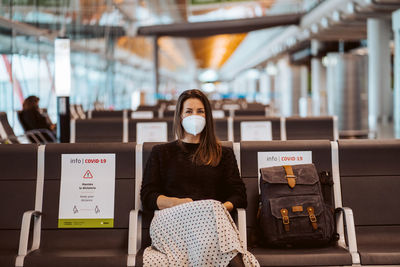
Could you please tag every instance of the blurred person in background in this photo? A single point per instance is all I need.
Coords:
(32, 118)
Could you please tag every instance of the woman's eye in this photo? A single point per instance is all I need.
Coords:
(188, 111)
(201, 111)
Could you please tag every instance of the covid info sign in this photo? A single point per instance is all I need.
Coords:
(280, 158)
(87, 191)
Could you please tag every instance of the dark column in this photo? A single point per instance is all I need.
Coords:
(64, 117)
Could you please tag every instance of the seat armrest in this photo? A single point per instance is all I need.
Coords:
(134, 238)
(241, 224)
(33, 136)
(350, 233)
(24, 235)
(39, 136)
(49, 133)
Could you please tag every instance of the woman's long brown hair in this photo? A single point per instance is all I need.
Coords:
(209, 151)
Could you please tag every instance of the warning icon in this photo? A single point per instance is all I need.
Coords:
(88, 175)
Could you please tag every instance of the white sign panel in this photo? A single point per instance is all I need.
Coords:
(62, 67)
(230, 106)
(256, 131)
(87, 191)
(142, 115)
(280, 158)
(218, 114)
(171, 107)
(151, 132)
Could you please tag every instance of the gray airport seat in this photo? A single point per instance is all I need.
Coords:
(148, 108)
(334, 255)
(111, 130)
(90, 246)
(96, 114)
(250, 112)
(370, 178)
(168, 113)
(221, 128)
(310, 128)
(97, 130)
(18, 165)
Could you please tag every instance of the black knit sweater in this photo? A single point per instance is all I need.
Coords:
(170, 171)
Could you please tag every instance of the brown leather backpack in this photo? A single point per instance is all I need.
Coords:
(293, 211)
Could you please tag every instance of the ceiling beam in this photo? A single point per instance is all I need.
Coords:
(201, 29)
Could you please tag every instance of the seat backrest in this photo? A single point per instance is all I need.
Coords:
(221, 128)
(250, 112)
(18, 165)
(321, 157)
(107, 114)
(275, 125)
(98, 130)
(169, 113)
(123, 204)
(371, 168)
(148, 108)
(310, 128)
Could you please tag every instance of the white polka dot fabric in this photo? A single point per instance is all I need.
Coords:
(199, 233)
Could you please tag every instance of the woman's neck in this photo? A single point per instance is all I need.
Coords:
(190, 138)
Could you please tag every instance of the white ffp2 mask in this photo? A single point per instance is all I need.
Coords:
(194, 124)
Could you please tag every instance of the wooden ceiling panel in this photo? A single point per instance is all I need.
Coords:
(141, 46)
(212, 52)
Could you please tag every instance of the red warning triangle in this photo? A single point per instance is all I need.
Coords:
(88, 175)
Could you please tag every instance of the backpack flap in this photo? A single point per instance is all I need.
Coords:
(297, 212)
(303, 174)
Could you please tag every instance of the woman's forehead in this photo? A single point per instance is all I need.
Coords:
(193, 103)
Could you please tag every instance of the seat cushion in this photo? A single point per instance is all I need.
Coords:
(77, 258)
(9, 240)
(302, 256)
(7, 257)
(379, 245)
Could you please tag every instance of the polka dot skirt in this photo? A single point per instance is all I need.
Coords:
(199, 233)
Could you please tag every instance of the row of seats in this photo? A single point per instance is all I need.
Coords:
(366, 179)
(227, 129)
(159, 112)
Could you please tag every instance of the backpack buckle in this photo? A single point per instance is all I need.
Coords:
(312, 217)
(285, 219)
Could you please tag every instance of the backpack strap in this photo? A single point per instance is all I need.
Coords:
(291, 178)
(285, 219)
(312, 217)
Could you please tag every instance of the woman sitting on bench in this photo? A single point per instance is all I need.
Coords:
(195, 183)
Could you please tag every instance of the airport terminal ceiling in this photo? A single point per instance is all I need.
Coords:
(109, 29)
(98, 26)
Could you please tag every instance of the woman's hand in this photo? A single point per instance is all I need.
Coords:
(229, 206)
(164, 202)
